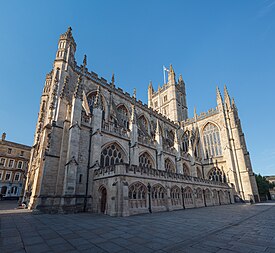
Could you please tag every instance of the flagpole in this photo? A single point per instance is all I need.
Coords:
(164, 74)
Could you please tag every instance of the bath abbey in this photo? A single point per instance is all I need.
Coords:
(99, 149)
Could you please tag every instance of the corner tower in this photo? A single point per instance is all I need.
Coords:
(170, 99)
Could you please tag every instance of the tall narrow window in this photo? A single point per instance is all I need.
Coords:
(212, 143)
(185, 142)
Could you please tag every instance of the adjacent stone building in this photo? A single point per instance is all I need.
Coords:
(98, 149)
(14, 158)
(271, 180)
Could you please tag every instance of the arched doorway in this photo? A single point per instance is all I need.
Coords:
(103, 199)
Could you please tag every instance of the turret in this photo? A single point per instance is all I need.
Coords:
(66, 48)
(219, 99)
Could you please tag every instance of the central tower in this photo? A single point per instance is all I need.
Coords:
(169, 100)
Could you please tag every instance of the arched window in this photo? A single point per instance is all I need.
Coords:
(175, 196)
(143, 125)
(170, 136)
(110, 155)
(186, 171)
(212, 143)
(158, 195)
(169, 165)
(185, 142)
(215, 174)
(199, 196)
(145, 161)
(123, 116)
(137, 195)
(188, 196)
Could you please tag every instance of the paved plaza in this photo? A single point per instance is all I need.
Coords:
(223, 229)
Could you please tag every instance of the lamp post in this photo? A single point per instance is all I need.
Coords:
(149, 195)
(182, 196)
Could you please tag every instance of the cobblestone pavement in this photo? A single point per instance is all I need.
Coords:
(223, 229)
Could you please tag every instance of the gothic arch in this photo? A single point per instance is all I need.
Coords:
(111, 154)
(175, 195)
(146, 160)
(143, 124)
(188, 196)
(169, 165)
(185, 141)
(211, 140)
(158, 193)
(90, 99)
(137, 195)
(124, 115)
(216, 174)
(102, 190)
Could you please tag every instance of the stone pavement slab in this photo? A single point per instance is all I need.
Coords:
(222, 229)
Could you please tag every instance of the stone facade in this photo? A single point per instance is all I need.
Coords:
(98, 149)
(14, 159)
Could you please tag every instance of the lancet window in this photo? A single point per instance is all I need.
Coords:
(143, 125)
(145, 161)
(188, 196)
(110, 155)
(212, 143)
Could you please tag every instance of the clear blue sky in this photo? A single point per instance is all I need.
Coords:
(210, 42)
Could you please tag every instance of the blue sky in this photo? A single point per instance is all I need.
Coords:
(209, 42)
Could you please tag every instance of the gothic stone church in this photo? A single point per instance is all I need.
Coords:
(98, 149)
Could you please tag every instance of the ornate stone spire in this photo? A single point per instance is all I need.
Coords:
(133, 115)
(181, 79)
(84, 63)
(113, 81)
(171, 75)
(218, 95)
(158, 128)
(98, 99)
(78, 93)
(227, 97)
(195, 113)
(135, 93)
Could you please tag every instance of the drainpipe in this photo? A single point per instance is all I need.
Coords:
(149, 194)
(182, 196)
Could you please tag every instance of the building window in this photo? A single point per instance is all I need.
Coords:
(20, 165)
(165, 110)
(145, 161)
(9, 150)
(156, 104)
(2, 161)
(123, 116)
(215, 174)
(111, 155)
(11, 162)
(17, 176)
(22, 153)
(137, 195)
(1, 174)
(165, 98)
(169, 166)
(186, 171)
(212, 143)
(8, 176)
(14, 190)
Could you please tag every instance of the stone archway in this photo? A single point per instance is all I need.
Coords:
(103, 199)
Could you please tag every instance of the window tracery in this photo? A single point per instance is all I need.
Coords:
(215, 174)
(188, 196)
(175, 196)
(212, 143)
(123, 116)
(137, 195)
(169, 165)
(143, 125)
(145, 161)
(185, 142)
(110, 155)
(158, 195)
(91, 99)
